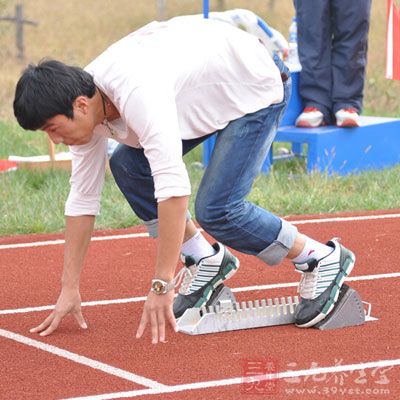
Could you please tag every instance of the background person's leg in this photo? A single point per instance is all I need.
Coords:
(314, 47)
(349, 52)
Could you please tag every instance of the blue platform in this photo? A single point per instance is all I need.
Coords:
(373, 145)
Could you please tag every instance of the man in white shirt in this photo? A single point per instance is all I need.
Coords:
(161, 91)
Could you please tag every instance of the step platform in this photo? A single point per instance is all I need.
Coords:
(223, 313)
(372, 146)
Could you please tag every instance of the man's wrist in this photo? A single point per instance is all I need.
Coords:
(164, 272)
(70, 283)
(160, 286)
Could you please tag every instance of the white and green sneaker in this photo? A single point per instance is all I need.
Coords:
(320, 284)
(201, 279)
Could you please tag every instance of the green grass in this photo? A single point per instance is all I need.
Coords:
(289, 190)
(33, 202)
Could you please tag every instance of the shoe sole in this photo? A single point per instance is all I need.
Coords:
(328, 307)
(227, 272)
(348, 123)
(306, 124)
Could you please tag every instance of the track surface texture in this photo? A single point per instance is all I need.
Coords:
(107, 362)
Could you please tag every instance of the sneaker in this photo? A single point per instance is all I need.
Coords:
(311, 117)
(201, 279)
(320, 284)
(347, 118)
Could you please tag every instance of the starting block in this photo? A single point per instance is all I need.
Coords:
(223, 313)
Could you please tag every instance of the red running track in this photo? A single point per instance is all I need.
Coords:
(107, 362)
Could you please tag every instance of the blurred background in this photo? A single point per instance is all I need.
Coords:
(76, 31)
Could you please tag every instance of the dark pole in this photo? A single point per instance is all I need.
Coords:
(19, 21)
(271, 4)
(221, 5)
(161, 9)
(19, 25)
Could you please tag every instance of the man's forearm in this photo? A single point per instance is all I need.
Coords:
(171, 228)
(77, 237)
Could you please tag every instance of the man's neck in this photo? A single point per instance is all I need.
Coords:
(107, 108)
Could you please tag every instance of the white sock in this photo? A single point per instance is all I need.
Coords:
(312, 249)
(197, 247)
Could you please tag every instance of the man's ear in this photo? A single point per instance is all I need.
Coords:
(82, 104)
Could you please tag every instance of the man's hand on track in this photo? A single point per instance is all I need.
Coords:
(69, 302)
(157, 311)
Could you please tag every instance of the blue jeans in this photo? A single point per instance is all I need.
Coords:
(221, 208)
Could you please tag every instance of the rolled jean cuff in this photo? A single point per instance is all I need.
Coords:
(152, 225)
(279, 248)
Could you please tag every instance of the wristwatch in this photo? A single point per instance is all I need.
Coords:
(159, 286)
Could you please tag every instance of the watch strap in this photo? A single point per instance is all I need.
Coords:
(167, 286)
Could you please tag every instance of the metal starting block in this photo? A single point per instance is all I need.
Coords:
(223, 313)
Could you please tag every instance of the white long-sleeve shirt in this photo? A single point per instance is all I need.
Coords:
(174, 80)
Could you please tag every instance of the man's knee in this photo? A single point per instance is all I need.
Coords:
(129, 161)
(210, 217)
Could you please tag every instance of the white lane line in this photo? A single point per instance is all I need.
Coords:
(137, 235)
(62, 241)
(295, 284)
(84, 304)
(236, 290)
(241, 380)
(108, 369)
(345, 219)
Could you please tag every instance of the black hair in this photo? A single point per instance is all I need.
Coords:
(49, 89)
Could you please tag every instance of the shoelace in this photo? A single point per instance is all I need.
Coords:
(307, 284)
(186, 275)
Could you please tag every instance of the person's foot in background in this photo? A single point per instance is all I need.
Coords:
(311, 117)
(347, 118)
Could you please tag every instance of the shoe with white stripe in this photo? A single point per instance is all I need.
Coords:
(320, 284)
(311, 117)
(347, 118)
(200, 280)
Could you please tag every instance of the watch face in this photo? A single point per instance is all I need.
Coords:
(158, 286)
